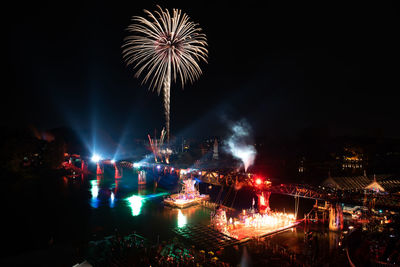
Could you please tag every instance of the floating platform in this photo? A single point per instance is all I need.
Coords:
(182, 201)
(208, 238)
(203, 236)
(251, 224)
(244, 234)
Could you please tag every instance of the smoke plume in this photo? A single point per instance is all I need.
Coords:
(240, 143)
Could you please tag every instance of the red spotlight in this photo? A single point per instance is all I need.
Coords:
(258, 181)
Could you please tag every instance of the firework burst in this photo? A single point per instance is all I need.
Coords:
(164, 47)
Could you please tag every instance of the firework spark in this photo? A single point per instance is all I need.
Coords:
(165, 47)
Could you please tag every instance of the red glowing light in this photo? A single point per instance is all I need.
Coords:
(258, 181)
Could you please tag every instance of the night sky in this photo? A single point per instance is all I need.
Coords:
(282, 67)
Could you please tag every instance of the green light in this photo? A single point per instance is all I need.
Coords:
(135, 203)
(182, 221)
(156, 195)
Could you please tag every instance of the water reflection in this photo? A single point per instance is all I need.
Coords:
(127, 205)
(112, 197)
(94, 190)
(116, 185)
(118, 172)
(135, 203)
(182, 221)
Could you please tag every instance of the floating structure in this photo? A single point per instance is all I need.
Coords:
(251, 224)
(188, 197)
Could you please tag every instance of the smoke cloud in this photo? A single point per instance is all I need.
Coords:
(240, 143)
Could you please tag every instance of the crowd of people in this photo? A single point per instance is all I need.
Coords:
(269, 252)
(375, 239)
(380, 247)
(133, 250)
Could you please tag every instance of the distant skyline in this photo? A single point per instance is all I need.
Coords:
(283, 67)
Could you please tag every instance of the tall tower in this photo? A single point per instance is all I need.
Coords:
(215, 154)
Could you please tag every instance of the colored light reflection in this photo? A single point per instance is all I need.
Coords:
(135, 203)
(182, 221)
(156, 195)
(112, 197)
(94, 190)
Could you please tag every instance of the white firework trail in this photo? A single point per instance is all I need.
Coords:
(165, 47)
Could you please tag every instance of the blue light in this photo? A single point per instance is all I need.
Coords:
(94, 190)
(113, 161)
(96, 158)
(112, 197)
(136, 165)
(94, 203)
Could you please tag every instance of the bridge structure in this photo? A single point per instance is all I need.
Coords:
(264, 188)
(261, 184)
(232, 178)
(333, 197)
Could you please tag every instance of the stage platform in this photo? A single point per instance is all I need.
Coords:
(181, 202)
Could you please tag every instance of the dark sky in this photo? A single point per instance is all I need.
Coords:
(283, 67)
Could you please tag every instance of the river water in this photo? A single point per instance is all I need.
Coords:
(74, 211)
